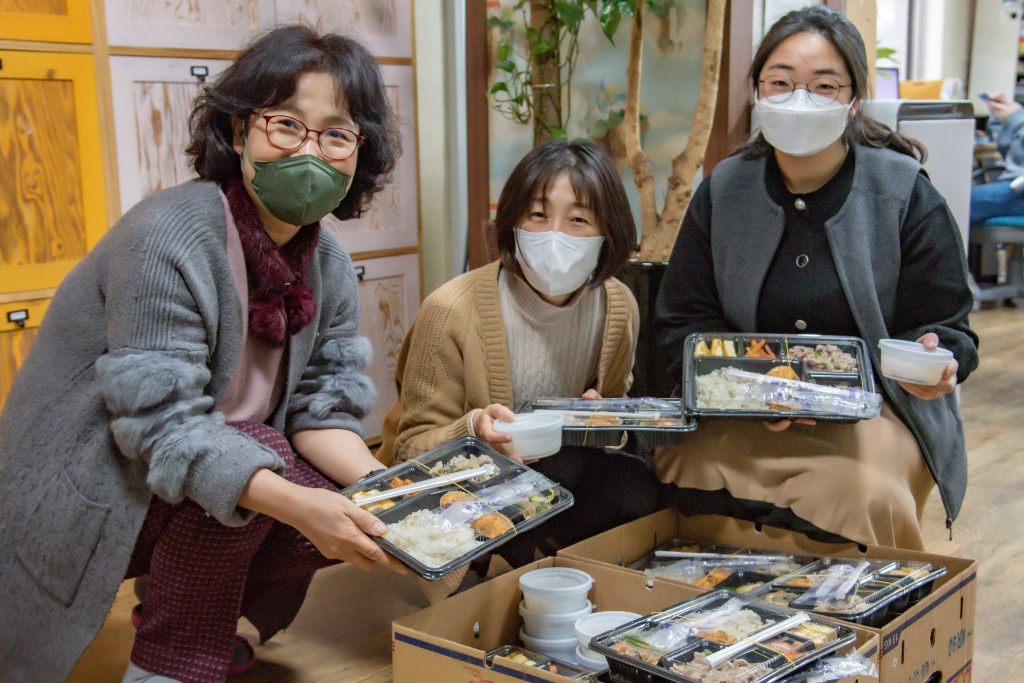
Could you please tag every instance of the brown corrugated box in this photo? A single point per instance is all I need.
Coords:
(448, 642)
(931, 642)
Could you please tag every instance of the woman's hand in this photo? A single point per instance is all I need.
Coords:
(483, 425)
(783, 425)
(333, 523)
(945, 385)
(339, 529)
(1000, 108)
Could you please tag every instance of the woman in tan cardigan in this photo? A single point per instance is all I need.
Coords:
(548, 319)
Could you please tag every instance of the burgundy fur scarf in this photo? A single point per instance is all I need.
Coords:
(280, 303)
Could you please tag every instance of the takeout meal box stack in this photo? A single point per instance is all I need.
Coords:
(554, 599)
(933, 633)
(439, 530)
(449, 642)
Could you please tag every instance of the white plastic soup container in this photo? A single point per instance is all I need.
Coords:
(560, 648)
(534, 435)
(911, 362)
(555, 590)
(594, 625)
(552, 624)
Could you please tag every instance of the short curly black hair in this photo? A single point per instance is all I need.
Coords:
(265, 74)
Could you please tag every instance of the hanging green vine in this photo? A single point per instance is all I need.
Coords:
(528, 87)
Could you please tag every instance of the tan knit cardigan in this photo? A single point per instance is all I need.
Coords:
(455, 359)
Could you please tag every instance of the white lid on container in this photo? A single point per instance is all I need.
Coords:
(600, 622)
(530, 422)
(556, 580)
(915, 350)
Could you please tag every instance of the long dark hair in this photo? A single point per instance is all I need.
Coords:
(265, 75)
(597, 184)
(846, 39)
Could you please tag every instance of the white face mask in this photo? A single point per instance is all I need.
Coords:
(555, 263)
(800, 126)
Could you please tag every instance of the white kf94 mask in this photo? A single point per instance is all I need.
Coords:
(801, 126)
(555, 263)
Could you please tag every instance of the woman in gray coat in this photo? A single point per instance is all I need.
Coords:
(193, 396)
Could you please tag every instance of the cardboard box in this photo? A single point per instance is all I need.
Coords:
(933, 642)
(448, 642)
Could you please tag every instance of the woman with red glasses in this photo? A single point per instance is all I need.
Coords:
(192, 400)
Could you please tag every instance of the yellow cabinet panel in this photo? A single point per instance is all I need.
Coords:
(57, 21)
(51, 178)
(15, 338)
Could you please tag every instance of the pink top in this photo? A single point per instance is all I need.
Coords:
(258, 383)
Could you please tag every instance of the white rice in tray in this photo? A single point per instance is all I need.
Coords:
(719, 391)
(417, 535)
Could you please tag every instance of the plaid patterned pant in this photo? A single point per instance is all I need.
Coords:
(203, 576)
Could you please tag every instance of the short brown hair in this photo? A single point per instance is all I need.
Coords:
(265, 74)
(597, 184)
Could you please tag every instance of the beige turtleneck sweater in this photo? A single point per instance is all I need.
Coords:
(455, 359)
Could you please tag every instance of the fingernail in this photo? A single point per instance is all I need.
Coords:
(379, 528)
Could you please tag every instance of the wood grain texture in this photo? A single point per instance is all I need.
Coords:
(366, 17)
(41, 205)
(342, 632)
(161, 113)
(14, 347)
(55, 8)
(207, 13)
(384, 321)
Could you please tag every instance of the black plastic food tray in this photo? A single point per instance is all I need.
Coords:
(602, 436)
(776, 666)
(541, 661)
(417, 470)
(885, 595)
(695, 366)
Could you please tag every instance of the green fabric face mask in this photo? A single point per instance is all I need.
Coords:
(299, 190)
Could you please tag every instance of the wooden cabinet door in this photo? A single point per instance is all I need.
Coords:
(197, 24)
(51, 21)
(153, 98)
(389, 296)
(52, 207)
(392, 220)
(16, 337)
(384, 26)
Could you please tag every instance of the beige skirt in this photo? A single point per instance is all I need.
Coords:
(866, 481)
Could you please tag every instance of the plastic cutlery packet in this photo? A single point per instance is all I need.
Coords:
(719, 636)
(605, 422)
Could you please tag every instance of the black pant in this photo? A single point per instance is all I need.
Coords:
(609, 489)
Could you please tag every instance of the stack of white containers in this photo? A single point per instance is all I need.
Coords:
(587, 628)
(554, 599)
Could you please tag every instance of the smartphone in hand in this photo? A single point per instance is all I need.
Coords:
(983, 96)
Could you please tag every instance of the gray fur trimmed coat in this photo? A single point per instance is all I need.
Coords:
(115, 403)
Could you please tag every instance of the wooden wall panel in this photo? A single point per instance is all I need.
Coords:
(189, 24)
(59, 21)
(389, 296)
(153, 97)
(54, 8)
(385, 26)
(392, 221)
(14, 347)
(52, 204)
(43, 213)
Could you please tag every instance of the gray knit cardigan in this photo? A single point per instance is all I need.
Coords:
(114, 403)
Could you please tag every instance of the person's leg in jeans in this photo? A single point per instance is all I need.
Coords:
(993, 200)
